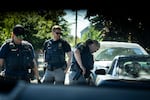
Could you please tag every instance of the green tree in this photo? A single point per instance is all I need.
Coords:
(92, 33)
(123, 25)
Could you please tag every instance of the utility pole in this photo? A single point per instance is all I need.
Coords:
(76, 20)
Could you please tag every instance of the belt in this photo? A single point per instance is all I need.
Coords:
(17, 78)
(54, 68)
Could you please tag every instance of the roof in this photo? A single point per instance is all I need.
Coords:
(118, 44)
(109, 44)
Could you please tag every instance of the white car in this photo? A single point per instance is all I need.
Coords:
(40, 61)
(109, 49)
(126, 71)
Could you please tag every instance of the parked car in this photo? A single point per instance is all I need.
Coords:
(109, 49)
(125, 70)
(40, 61)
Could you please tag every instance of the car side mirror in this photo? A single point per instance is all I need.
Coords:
(100, 72)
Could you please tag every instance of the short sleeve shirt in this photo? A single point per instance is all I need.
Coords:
(5, 49)
(86, 56)
(65, 44)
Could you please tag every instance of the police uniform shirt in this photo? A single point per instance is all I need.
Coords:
(5, 49)
(86, 56)
(17, 59)
(54, 52)
(66, 46)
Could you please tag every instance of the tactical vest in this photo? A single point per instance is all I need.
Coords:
(86, 57)
(55, 55)
(19, 58)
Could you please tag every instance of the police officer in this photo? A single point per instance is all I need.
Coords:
(17, 57)
(55, 50)
(82, 63)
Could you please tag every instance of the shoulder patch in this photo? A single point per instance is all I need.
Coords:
(49, 42)
(26, 45)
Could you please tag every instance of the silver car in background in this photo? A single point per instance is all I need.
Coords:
(109, 49)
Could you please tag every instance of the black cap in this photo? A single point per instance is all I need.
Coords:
(19, 30)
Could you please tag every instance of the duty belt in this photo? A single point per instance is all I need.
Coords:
(17, 78)
(54, 68)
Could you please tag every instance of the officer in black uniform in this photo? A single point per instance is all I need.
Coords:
(82, 62)
(55, 50)
(17, 57)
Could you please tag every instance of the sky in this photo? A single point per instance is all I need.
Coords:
(81, 22)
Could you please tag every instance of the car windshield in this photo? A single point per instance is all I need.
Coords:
(109, 53)
(137, 68)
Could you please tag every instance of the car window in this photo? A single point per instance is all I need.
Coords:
(109, 53)
(110, 70)
(137, 51)
(135, 69)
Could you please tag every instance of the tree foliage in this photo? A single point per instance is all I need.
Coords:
(122, 25)
(92, 33)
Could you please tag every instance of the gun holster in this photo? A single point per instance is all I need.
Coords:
(87, 74)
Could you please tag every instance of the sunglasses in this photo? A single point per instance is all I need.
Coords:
(58, 33)
(20, 36)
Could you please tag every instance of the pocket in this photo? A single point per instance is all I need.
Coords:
(27, 59)
(12, 59)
